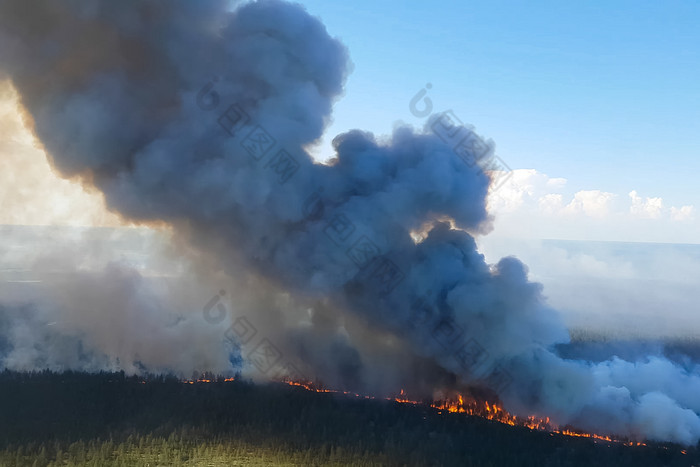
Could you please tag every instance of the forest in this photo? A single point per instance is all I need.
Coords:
(110, 419)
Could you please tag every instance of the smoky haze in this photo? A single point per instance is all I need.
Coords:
(198, 117)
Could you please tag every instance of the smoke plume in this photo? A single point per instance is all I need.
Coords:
(198, 116)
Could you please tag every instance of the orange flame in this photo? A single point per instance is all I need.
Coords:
(207, 380)
(470, 406)
(485, 409)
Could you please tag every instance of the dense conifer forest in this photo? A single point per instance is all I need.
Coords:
(109, 419)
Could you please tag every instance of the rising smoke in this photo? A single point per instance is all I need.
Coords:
(197, 115)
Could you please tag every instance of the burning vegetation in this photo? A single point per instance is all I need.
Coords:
(112, 419)
(476, 407)
(472, 405)
(459, 404)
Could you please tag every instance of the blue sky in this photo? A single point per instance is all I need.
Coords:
(603, 94)
(595, 105)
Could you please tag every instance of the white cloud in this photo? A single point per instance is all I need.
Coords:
(556, 183)
(593, 203)
(521, 188)
(528, 189)
(551, 203)
(651, 208)
(683, 213)
(531, 204)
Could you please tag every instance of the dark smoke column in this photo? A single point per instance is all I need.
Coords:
(197, 114)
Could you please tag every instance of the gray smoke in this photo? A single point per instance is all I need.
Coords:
(199, 115)
(90, 299)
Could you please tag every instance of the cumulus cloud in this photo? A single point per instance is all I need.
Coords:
(527, 189)
(649, 208)
(534, 204)
(683, 213)
(593, 203)
(551, 203)
(522, 188)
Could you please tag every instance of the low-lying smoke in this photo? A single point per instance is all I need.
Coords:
(197, 114)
